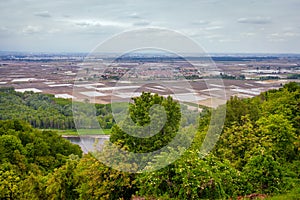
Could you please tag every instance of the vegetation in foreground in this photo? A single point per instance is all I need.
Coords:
(257, 153)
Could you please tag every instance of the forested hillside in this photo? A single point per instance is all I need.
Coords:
(28, 156)
(44, 110)
(257, 155)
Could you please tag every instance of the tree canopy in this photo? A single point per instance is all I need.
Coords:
(257, 155)
(45, 111)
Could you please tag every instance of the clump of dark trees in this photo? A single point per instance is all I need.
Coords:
(44, 111)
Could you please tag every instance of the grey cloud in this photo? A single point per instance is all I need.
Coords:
(201, 22)
(210, 28)
(83, 23)
(66, 16)
(134, 16)
(5, 31)
(68, 25)
(31, 29)
(255, 20)
(45, 14)
(98, 23)
(282, 36)
(141, 23)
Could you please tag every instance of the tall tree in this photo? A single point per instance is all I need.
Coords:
(139, 113)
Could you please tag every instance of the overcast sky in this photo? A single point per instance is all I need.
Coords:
(219, 26)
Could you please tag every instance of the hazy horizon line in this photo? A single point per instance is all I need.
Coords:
(208, 53)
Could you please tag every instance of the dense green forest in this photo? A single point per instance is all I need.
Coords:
(45, 111)
(257, 155)
(28, 156)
